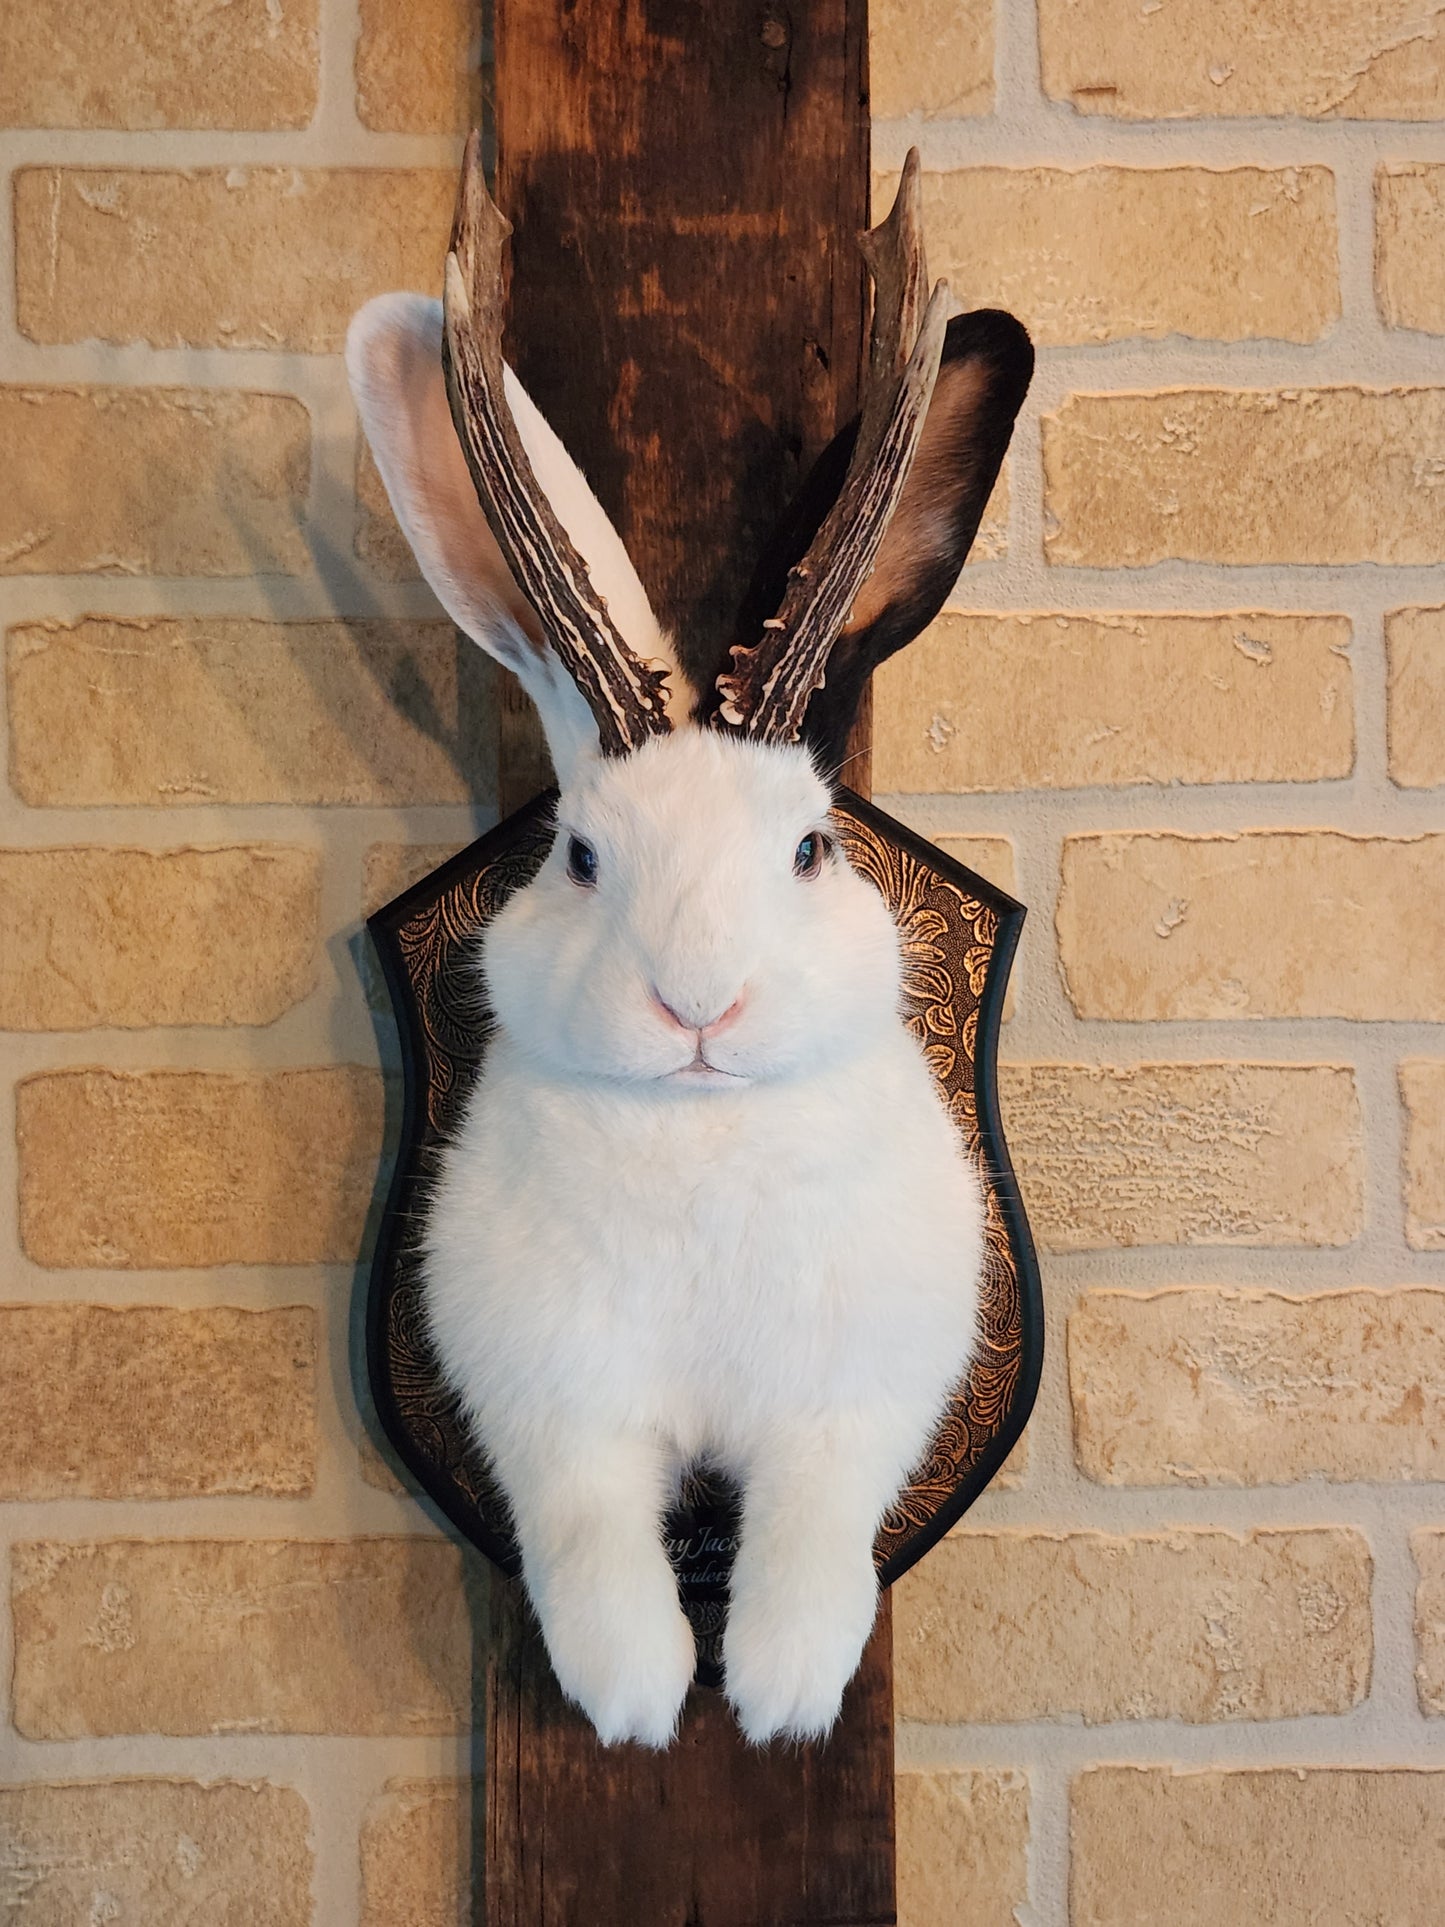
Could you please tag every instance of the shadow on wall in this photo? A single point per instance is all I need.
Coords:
(406, 708)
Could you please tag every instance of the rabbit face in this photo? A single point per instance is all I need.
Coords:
(685, 931)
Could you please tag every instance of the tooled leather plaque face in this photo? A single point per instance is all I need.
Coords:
(959, 935)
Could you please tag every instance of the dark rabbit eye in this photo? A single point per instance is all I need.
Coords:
(581, 862)
(808, 857)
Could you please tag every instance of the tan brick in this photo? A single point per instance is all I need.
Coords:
(158, 63)
(963, 1842)
(178, 481)
(208, 258)
(1014, 1471)
(1415, 646)
(167, 1168)
(1204, 1154)
(1262, 923)
(1187, 1625)
(1219, 1387)
(134, 937)
(991, 542)
(1067, 701)
(379, 541)
(1292, 1846)
(416, 1855)
(933, 57)
(991, 857)
(360, 1636)
(1355, 59)
(1422, 1092)
(418, 70)
(155, 711)
(390, 868)
(154, 1853)
(1309, 475)
(1410, 245)
(1093, 254)
(1429, 1550)
(375, 1468)
(140, 1401)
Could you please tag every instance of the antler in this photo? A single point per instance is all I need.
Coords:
(626, 695)
(766, 693)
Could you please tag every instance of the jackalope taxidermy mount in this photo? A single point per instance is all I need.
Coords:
(705, 1204)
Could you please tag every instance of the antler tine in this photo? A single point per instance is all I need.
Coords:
(898, 263)
(767, 691)
(626, 695)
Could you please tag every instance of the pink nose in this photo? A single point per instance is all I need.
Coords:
(710, 1028)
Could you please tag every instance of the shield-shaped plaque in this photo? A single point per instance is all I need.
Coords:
(959, 934)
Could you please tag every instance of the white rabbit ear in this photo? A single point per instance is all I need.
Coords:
(394, 361)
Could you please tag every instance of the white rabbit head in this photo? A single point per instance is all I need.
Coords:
(694, 922)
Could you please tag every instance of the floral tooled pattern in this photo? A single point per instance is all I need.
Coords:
(949, 940)
(436, 943)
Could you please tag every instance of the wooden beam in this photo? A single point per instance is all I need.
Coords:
(686, 183)
(713, 1833)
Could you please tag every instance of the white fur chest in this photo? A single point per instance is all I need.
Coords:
(703, 1263)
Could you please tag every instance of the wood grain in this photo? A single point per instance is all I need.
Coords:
(713, 1833)
(686, 184)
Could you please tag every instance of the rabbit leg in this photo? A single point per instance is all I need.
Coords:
(804, 1592)
(589, 1514)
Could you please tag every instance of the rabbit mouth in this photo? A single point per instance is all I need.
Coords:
(700, 1071)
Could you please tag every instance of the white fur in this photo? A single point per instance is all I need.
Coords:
(632, 1264)
(393, 359)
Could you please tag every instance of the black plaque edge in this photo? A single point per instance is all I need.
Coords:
(408, 1180)
(1011, 915)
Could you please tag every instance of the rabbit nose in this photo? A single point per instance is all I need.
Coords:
(721, 1022)
(708, 1028)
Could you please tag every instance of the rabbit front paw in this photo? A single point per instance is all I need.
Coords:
(787, 1656)
(627, 1662)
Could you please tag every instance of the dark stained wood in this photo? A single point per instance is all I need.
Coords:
(685, 182)
(713, 1833)
(857, 766)
(523, 765)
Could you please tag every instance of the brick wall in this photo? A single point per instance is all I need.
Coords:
(1189, 1668)
(1185, 1665)
(233, 716)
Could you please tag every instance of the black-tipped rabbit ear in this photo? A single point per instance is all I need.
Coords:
(987, 363)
